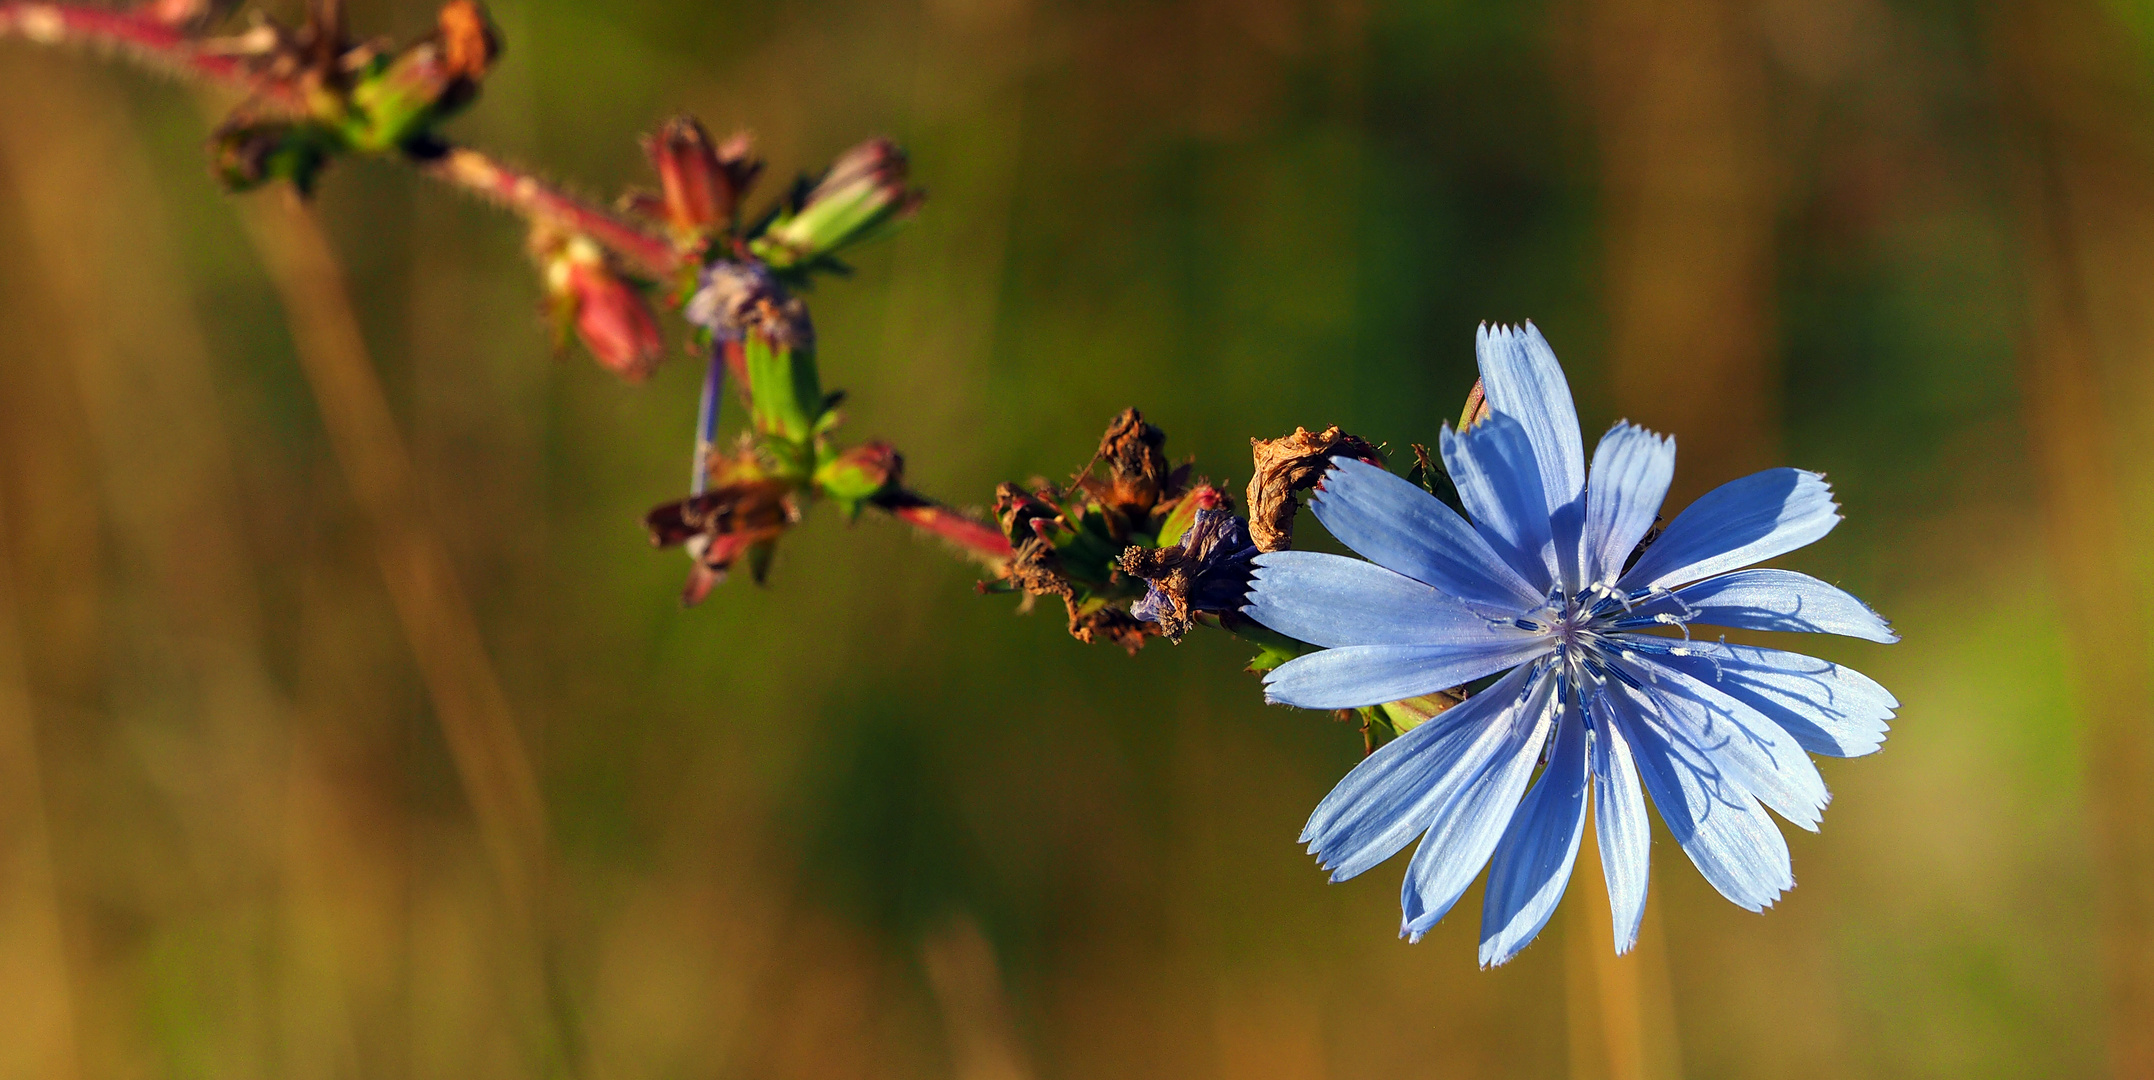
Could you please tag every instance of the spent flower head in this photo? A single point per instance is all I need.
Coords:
(1604, 676)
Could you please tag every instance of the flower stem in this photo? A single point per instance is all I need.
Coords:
(147, 40)
(525, 193)
(976, 539)
(699, 475)
(227, 62)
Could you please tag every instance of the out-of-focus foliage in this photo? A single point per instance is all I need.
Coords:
(867, 823)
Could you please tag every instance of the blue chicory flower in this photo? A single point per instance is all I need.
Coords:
(1605, 681)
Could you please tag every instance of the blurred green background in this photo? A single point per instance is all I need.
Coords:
(864, 823)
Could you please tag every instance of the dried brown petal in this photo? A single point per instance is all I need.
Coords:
(469, 42)
(719, 526)
(1287, 465)
(1037, 570)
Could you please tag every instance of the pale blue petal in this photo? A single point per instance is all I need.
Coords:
(1393, 523)
(1829, 709)
(1728, 836)
(1533, 860)
(1388, 799)
(1632, 468)
(1332, 600)
(1485, 787)
(1493, 466)
(1522, 379)
(1765, 757)
(1619, 819)
(1738, 523)
(1358, 675)
(1763, 599)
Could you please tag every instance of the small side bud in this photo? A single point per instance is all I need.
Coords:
(702, 187)
(608, 315)
(396, 103)
(1476, 409)
(853, 476)
(246, 153)
(864, 191)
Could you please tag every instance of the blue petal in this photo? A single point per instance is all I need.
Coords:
(1533, 861)
(1632, 468)
(1625, 833)
(1761, 755)
(1736, 524)
(1727, 835)
(1829, 709)
(1389, 798)
(1493, 466)
(1396, 525)
(1522, 379)
(1331, 600)
(1358, 675)
(1763, 600)
(1485, 786)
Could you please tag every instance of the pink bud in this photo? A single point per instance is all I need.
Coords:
(703, 185)
(615, 322)
(609, 315)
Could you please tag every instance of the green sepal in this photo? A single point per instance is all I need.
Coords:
(784, 392)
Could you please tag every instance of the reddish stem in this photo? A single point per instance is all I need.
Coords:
(977, 539)
(172, 48)
(527, 194)
(147, 39)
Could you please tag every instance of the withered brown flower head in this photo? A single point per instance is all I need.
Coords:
(1288, 465)
(740, 298)
(719, 526)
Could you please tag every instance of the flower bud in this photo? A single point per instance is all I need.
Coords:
(853, 476)
(398, 101)
(609, 315)
(246, 153)
(702, 184)
(863, 191)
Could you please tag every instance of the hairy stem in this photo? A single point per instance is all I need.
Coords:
(975, 539)
(524, 193)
